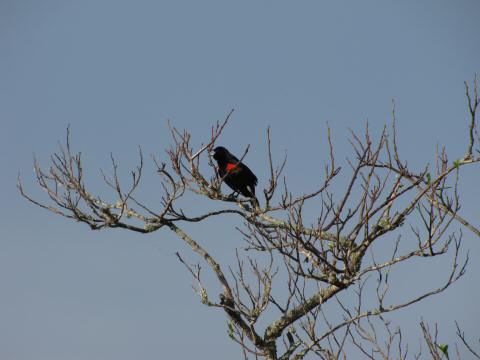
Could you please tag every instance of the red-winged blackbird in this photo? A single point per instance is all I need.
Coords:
(235, 174)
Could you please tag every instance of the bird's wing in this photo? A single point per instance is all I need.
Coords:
(248, 173)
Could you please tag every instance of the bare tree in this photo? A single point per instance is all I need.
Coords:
(298, 287)
(440, 351)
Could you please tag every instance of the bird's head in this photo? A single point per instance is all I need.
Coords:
(219, 153)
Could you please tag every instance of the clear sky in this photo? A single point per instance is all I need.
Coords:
(117, 70)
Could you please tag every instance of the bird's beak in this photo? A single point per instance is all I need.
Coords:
(211, 153)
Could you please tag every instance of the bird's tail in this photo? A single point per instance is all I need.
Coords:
(249, 192)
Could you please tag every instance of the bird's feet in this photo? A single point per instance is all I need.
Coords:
(233, 196)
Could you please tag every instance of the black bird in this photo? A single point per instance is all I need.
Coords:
(235, 174)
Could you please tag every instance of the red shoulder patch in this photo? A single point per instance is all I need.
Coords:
(231, 166)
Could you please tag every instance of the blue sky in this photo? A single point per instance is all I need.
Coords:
(117, 70)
